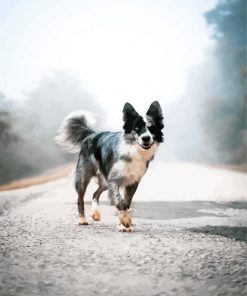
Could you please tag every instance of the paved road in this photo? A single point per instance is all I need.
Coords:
(45, 252)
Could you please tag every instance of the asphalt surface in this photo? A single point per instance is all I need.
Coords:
(45, 252)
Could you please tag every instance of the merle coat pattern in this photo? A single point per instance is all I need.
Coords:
(116, 159)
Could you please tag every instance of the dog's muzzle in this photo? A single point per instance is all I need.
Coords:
(146, 142)
(147, 146)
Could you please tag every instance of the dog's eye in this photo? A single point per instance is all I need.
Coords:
(136, 129)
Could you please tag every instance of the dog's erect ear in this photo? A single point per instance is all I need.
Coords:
(129, 114)
(154, 110)
(154, 115)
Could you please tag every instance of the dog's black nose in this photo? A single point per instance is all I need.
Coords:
(146, 139)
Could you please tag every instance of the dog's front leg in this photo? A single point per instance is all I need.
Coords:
(114, 195)
(121, 205)
(129, 193)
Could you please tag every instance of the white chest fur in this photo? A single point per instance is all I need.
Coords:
(133, 166)
(134, 170)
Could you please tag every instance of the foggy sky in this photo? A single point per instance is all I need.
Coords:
(96, 55)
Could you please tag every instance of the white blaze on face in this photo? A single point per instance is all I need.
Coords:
(145, 134)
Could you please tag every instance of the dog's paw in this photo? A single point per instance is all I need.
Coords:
(122, 228)
(83, 221)
(95, 215)
(125, 218)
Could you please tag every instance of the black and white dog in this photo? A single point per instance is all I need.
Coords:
(117, 159)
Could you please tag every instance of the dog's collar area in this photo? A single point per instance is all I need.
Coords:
(126, 157)
(129, 157)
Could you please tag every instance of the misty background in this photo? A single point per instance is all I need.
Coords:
(195, 66)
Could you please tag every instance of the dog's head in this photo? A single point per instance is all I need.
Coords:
(144, 131)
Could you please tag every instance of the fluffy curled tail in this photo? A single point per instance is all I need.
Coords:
(75, 128)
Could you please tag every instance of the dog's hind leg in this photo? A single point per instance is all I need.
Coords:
(102, 187)
(82, 181)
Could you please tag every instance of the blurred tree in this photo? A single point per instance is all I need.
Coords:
(6, 132)
(226, 112)
(36, 121)
(208, 123)
(40, 115)
(8, 141)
